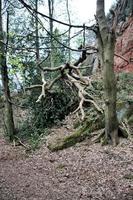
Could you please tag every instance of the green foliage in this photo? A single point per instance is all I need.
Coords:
(53, 108)
(59, 50)
(16, 64)
(32, 134)
(50, 111)
(125, 86)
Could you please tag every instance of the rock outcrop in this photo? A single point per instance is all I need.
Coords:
(124, 47)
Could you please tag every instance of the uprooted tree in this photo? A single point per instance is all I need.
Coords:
(72, 75)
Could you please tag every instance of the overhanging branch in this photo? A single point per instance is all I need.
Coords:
(55, 20)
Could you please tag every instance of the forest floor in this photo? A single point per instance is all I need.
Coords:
(82, 172)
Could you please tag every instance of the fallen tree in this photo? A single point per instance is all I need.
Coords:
(71, 75)
(90, 92)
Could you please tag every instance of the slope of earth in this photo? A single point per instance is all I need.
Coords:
(82, 172)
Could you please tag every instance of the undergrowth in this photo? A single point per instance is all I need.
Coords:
(43, 115)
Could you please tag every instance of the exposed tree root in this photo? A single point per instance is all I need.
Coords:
(18, 141)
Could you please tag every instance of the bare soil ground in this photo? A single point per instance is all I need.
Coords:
(82, 172)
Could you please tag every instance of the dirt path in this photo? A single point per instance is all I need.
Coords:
(79, 173)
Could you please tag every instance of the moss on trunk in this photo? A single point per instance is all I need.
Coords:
(85, 131)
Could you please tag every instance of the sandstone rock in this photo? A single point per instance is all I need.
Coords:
(124, 47)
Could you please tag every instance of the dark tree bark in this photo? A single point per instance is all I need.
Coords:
(37, 34)
(69, 33)
(9, 122)
(106, 41)
(51, 10)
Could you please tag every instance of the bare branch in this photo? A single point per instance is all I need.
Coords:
(45, 16)
(52, 69)
(43, 88)
(33, 87)
(94, 103)
(82, 93)
(123, 58)
(53, 82)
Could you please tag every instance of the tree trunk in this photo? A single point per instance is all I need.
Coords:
(106, 41)
(5, 81)
(69, 33)
(37, 34)
(51, 10)
(111, 124)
